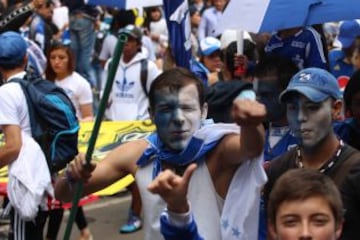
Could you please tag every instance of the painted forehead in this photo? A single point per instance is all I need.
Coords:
(186, 94)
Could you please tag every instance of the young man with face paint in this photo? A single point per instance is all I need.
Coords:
(273, 74)
(305, 204)
(178, 109)
(313, 100)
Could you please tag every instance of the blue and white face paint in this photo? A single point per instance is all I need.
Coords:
(310, 122)
(177, 115)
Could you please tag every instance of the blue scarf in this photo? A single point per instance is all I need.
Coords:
(203, 141)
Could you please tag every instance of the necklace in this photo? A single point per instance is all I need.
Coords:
(326, 166)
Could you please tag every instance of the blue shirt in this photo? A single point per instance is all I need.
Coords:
(208, 22)
(200, 71)
(304, 48)
(340, 69)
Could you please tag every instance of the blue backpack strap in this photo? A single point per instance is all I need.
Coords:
(144, 75)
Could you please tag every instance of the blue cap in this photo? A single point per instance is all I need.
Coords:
(348, 32)
(12, 48)
(314, 83)
(209, 45)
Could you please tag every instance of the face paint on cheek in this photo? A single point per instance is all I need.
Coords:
(177, 116)
(310, 122)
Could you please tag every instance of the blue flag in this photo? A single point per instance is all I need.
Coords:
(178, 23)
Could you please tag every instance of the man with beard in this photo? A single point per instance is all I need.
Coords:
(313, 101)
(221, 151)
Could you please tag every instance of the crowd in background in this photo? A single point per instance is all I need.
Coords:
(74, 46)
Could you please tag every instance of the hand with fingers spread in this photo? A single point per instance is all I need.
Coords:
(173, 188)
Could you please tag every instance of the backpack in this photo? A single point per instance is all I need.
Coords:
(144, 75)
(54, 124)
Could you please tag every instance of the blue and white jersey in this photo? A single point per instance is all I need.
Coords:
(304, 48)
(37, 31)
(36, 58)
(339, 68)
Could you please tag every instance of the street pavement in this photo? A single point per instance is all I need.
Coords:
(104, 216)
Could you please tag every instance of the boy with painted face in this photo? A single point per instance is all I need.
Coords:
(305, 204)
(177, 108)
(273, 74)
(313, 100)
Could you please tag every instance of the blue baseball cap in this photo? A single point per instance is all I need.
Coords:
(209, 45)
(348, 32)
(12, 48)
(314, 83)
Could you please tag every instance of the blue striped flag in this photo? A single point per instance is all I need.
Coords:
(125, 4)
(271, 15)
(178, 23)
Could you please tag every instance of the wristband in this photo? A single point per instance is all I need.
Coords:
(179, 219)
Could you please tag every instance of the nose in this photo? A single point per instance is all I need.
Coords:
(305, 232)
(178, 116)
(301, 115)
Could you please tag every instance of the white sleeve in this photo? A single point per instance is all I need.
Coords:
(9, 101)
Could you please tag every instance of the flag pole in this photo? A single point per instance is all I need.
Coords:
(99, 117)
(240, 42)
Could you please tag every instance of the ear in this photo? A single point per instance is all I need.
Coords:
(337, 109)
(204, 111)
(151, 113)
(272, 231)
(339, 230)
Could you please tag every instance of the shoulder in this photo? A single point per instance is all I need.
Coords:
(310, 33)
(76, 76)
(10, 89)
(336, 54)
(282, 163)
(209, 11)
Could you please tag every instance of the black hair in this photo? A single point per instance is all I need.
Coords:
(250, 52)
(352, 87)
(174, 79)
(122, 18)
(283, 67)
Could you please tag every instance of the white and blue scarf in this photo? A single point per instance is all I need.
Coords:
(203, 141)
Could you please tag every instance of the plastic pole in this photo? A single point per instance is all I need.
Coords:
(99, 117)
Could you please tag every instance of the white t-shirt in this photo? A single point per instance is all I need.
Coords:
(78, 89)
(159, 28)
(13, 107)
(127, 98)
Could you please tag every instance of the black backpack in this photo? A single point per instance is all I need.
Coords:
(53, 120)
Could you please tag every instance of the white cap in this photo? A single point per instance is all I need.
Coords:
(230, 35)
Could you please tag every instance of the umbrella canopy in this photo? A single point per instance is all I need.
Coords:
(126, 4)
(270, 15)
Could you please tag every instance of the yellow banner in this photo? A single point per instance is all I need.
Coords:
(111, 135)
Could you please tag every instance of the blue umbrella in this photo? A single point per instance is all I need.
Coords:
(271, 15)
(125, 4)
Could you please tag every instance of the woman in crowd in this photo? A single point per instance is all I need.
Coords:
(61, 70)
